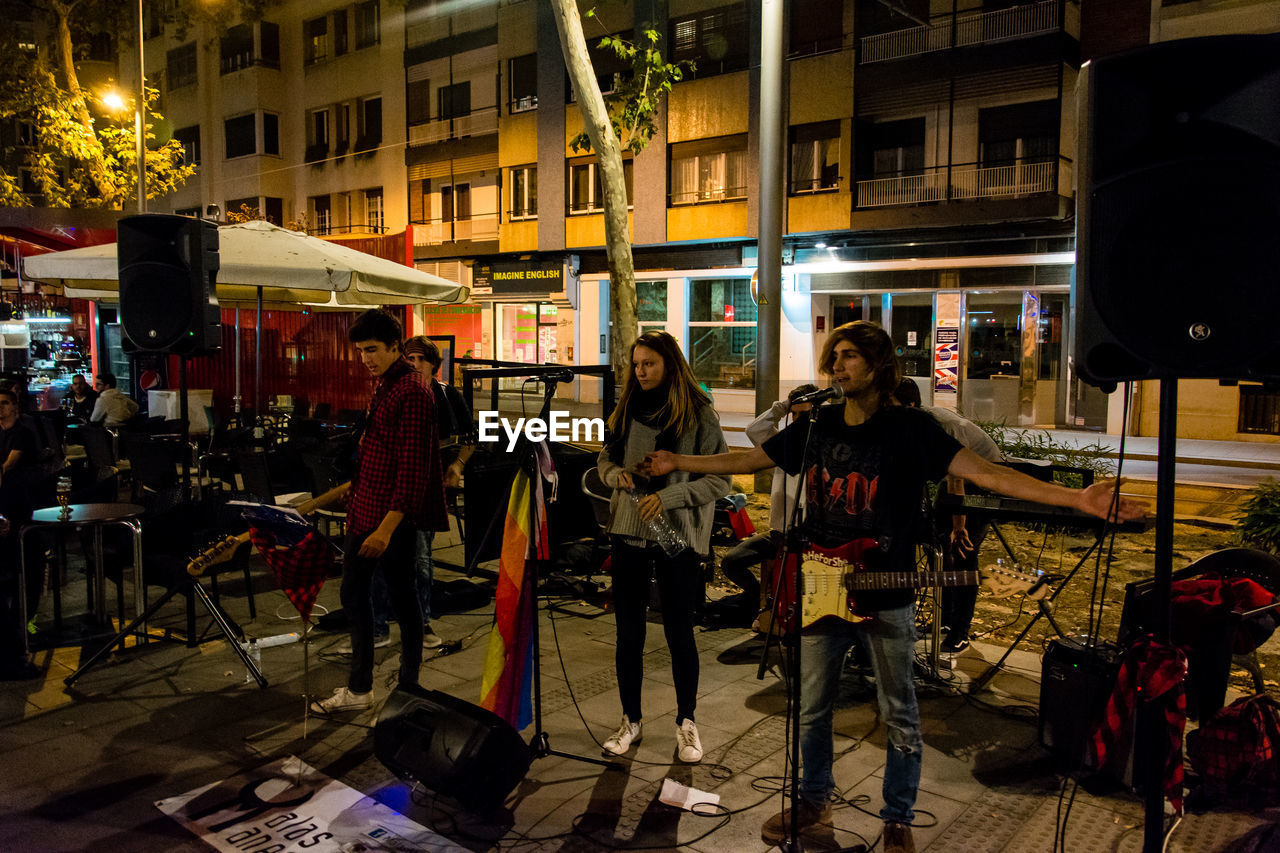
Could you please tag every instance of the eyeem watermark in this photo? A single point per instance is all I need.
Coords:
(560, 427)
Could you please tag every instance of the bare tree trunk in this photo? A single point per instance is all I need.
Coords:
(66, 63)
(599, 129)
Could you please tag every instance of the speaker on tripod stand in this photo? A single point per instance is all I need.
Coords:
(168, 266)
(1178, 266)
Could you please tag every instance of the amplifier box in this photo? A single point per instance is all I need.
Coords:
(1076, 680)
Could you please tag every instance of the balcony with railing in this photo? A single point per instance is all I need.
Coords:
(475, 123)
(962, 30)
(960, 182)
(437, 232)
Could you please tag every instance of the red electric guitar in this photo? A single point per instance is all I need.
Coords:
(831, 578)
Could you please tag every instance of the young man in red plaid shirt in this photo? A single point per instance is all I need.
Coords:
(398, 489)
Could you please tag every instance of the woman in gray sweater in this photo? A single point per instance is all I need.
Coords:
(661, 408)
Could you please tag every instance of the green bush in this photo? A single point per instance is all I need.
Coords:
(1039, 444)
(1259, 519)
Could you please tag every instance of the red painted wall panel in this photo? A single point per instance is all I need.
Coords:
(305, 354)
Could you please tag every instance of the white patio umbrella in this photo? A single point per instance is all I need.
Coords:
(260, 262)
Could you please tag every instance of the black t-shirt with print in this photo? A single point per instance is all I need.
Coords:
(867, 481)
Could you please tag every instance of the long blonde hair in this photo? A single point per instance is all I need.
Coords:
(683, 398)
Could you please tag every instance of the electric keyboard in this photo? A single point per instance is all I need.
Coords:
(999, 508)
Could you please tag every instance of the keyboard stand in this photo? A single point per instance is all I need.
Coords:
(1045, 610)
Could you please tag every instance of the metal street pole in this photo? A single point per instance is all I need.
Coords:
(140, 119)
(769, 253)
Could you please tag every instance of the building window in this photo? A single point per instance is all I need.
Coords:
(181, 66)
(524, 192)
(190, 139)
(722, 332)
(815, 157)
(342, 131)
(237, 48)
(273, 209)
(318, 136)
(321, 215)
(245, 207)
(269, 44)
(817, 26)
(651, 305)
(455, 203)
(241, 135)
(373, 209)
(191, 212)
(522, 76)
(897, 148)
(270, 133)
(367, 24)
(1018, 134)
(716, 40)
(315, 40)
(418, 101)
(454, 100)
(238, 51)
(369, 117)
(340, 38)
(1259, 410)
(709, 170)
(586, 192)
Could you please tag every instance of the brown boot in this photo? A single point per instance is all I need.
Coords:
(897, 838)
(814, 825)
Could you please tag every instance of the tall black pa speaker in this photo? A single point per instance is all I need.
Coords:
(1178, 267)
(168, 267)
(450, 746)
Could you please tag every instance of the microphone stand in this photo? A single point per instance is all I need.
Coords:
(793, 545)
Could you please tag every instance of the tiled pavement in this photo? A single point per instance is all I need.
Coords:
(82, 767)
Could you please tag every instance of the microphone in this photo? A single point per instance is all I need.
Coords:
(565, 375)
(833, 393)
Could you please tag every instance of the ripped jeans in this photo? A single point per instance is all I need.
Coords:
(890, 639)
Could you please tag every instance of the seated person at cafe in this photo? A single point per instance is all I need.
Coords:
(18, 470)
(113, 407)
(82, 398)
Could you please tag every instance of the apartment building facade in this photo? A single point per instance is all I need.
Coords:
(930, 179)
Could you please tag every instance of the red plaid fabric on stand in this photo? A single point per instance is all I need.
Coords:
(1151, 672)
(300, 569)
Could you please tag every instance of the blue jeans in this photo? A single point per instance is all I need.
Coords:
(890, 638)
(422, 574)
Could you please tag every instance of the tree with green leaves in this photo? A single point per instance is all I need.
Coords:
(77, 153)
(625, 119)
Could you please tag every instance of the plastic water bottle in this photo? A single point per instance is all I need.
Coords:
(255, 654)
(660, 529)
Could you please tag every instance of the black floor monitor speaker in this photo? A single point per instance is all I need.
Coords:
(168, 267)
(1076, 680)
(450, 746)
(1178, 265)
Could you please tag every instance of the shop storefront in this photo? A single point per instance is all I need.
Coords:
(527, 313)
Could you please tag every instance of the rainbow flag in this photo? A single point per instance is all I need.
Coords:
(507, 684)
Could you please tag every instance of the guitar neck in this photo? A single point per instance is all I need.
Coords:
(868, 580)
(224, 549)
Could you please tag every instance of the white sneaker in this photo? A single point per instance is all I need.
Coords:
(621, 740)
(343, 700)
(688, 744)
(430, 640)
